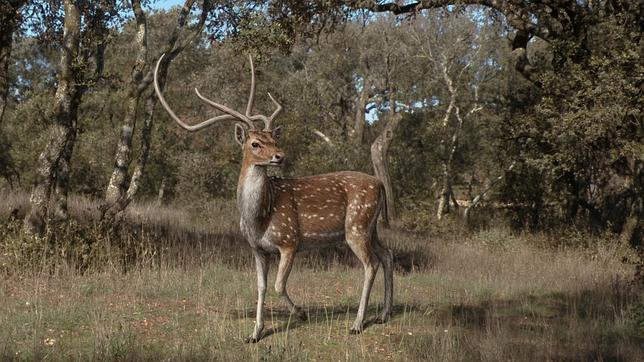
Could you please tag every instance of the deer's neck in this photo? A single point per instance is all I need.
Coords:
(254, 195)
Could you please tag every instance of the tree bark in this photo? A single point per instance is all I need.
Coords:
(119, 180)
(63, 128)
(447, 175)
(62, 177)
(146, 134)
(446, 189)
(379, 152)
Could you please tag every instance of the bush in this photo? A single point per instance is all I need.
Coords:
(78, 246)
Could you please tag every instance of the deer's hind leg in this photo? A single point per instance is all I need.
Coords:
(359, 242)
(386, 258)
(287, 255)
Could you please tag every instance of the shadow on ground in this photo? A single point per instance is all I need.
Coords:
(285, 321)
(586, 325)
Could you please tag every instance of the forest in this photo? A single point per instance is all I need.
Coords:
(508, 136)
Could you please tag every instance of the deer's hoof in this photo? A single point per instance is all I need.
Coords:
(251, 339)
(382, 319)
(301, 315)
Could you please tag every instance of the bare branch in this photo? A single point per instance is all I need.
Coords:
(324, 137)
(480, 196)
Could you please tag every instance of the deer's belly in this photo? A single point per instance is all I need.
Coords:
(312, 240)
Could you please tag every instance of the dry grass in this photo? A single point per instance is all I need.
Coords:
(491, 295)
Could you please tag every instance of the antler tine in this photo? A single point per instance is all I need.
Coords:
(165, 105)
(231, 112)
(268, 121)
(251, 96)
(278, 109)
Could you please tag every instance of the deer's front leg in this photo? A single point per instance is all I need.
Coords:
(261, 264)
(284, 269)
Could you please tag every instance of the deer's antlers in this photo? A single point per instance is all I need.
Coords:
(231, 114)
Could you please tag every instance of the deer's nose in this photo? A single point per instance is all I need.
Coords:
(278, 158)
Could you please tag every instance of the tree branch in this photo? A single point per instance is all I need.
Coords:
(481, 195)
(324, 137)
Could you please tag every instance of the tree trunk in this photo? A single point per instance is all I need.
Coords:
(61, 190)
(356, 133)
(379, 151)
(8, 25)
(161, 193)
(632, 224)
(450, 150)
(7, 28)
(119, 180)
(63, 117)
(454, 201)
(448, 154)
(9, 18)
(146, 133)
(446, 189)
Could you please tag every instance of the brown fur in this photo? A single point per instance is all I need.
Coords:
(288, 215)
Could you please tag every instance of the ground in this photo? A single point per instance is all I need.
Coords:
(486, 295)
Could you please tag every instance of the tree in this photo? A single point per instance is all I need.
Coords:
(77, 69)
(582, 133)
(458, 60)
(122, 187)
(9, 22)
(392, 85)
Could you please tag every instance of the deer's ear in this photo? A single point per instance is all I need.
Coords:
(277, 132)
(240, 134)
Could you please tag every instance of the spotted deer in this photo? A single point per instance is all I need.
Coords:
(285, 215)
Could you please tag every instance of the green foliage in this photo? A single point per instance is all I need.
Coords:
(415, 159)
(637, 317)
(7, 164)
(576, 139)
(582, 144)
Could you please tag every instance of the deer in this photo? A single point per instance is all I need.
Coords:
(287, 215)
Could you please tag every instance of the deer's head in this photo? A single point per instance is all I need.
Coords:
(259, 146)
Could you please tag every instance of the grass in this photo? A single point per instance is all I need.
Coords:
(490, 295)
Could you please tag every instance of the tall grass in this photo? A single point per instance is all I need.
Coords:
(188, 293)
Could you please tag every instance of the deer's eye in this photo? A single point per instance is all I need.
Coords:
(255, 144)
